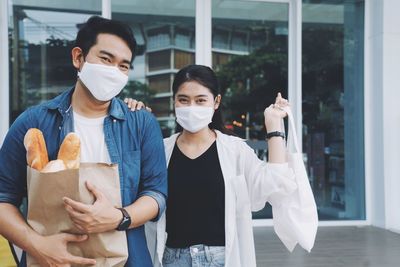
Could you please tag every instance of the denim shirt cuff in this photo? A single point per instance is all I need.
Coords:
(9, 198)
(157, 196)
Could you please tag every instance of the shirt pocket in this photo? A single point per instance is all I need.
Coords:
(131, 169)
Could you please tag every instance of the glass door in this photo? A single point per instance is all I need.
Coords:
(41, 36)
(250, 54)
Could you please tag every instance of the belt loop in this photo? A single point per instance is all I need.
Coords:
(208, 253)
(178, 253)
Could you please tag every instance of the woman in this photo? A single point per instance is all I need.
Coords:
(215, 180)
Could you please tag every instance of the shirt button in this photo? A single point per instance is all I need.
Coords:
(114, 120)
(59, 128)
(195, 250)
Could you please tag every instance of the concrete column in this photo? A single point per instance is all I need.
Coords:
(203, 32)
(382, 87)
(391, 111)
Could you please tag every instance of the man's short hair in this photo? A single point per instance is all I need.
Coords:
(88, 32)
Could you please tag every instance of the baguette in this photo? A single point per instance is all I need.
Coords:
(54, 166)
(70, 151)
(36, 151)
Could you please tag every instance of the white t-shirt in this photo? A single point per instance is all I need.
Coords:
(93, 144)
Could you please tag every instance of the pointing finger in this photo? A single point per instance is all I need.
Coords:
(74, 238)
(93, 189)
(82, 261)
(77, 206)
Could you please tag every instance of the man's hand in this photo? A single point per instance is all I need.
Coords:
(134, 105)
(99, 217)
(52, 250)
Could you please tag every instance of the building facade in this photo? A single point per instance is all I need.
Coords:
(336, 61)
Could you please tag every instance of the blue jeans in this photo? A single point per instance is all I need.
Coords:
(194, 256)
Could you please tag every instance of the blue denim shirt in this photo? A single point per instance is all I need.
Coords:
(134, 142)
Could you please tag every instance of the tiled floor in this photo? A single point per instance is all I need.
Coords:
(335, 247)
(6, 259)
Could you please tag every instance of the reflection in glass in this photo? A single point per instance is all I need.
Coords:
(333, 142)
(165, 31)
(41, 38)
(250, 56)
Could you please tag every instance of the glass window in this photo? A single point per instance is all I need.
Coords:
(165, 30)
(219, 59)
(160, 83)
(333, 110)
(183, 58)
(184, 38)
(41, 36)
(250, 56)
(159, 60)
(163, 104)
(159, 37)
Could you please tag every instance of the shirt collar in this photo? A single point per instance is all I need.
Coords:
(62, 103)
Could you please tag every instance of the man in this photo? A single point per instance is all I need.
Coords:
(103, 53)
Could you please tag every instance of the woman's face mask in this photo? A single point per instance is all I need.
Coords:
(194, 118)
(103, 82)
(194, 106)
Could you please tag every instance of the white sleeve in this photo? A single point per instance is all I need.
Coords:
(293, 206)
(272, 182)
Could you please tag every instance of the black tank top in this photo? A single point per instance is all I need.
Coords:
(196, 200)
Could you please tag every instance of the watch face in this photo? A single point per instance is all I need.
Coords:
(126, 221)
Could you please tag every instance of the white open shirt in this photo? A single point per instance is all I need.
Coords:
(249, 184)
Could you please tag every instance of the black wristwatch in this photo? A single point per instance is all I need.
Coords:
(276, 133)
(125, 222)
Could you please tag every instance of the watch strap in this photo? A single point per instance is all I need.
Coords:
(126, 220)
(276, 133)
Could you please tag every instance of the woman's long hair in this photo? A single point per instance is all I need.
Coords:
(206, 77)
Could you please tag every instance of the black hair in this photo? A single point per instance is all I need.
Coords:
(88, 32)
(207, 78)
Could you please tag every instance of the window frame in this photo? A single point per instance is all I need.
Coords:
(203, 55)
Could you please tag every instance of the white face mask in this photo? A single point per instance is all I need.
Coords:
(104, 82)
(194, 118)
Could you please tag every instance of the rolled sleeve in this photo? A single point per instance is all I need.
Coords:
(13, 162)
(153, 180)
(266, 182)
(10, 198)
(281, 168)
(161, 201)
(284, 183)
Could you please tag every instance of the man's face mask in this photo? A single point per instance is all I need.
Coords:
(104, 82)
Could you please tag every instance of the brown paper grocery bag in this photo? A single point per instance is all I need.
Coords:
(47, 215)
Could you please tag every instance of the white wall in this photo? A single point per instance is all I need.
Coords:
(382, 108)
(391, 111)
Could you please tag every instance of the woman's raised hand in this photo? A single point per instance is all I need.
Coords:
(274, 114)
